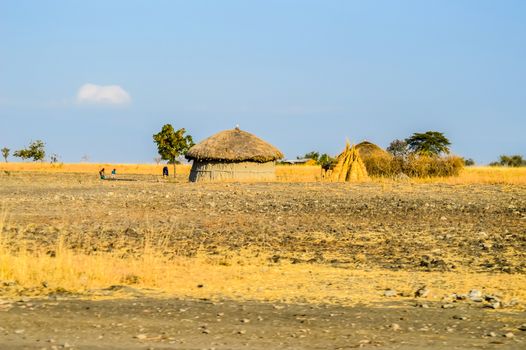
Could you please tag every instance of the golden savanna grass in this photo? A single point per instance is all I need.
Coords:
(243, 276)
(286, 173)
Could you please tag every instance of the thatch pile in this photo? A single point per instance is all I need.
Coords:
(368, 149)
(378, 161)
(349, 166)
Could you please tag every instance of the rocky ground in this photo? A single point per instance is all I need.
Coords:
(428, 227)
(391, 226)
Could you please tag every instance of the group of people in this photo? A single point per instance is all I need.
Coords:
(102, 174)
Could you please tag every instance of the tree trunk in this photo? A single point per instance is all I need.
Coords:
(174, 170)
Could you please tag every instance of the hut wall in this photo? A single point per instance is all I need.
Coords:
(237, 171)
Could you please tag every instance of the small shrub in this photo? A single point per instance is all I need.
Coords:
(381, 164)
(430, 166)
(384, 165)
(511, 161)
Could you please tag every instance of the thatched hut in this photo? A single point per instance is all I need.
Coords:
(232, 155)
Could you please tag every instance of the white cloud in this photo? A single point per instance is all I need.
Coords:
(98, 94)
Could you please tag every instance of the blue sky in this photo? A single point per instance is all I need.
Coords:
(303, 75)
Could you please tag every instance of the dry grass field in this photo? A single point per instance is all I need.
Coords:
(281, 241)
(284, 173)
(67, 234)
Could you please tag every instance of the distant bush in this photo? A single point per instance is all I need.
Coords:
(468, 162)
(35, 150)
(381, 164)
(431, 166)
(413, 165)
(512, 161)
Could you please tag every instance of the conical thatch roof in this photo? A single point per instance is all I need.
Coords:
(234, 146)
(367, 149)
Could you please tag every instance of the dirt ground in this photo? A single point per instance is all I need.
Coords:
(396, 227)
(202, 324)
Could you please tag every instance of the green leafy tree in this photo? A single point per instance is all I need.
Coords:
(430, 143)
(35, 150)
(5, 153)
(469, 162)
(511, 161)
(326, 161)
(398, 148)
(311, 155)
(172, 143)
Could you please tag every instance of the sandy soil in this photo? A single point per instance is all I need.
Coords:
(190, 324)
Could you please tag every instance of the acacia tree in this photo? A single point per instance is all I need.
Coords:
(172, 143)
(398, 148)
(5, 153)
(325, 160)
(511, 161)
(430, 143)
(35, 150)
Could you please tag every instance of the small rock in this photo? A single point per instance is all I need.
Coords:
(19, 331)
(245, 320)
(390, 293)
(495, 305)
(491, 298)
(509, 335)
(242, 331)
(522, 327)
(141, 336)
(422, 292)
(395, 327)
(458, 317)
(448, 306)
(475, 294)
(422, 305)
(491, 334)
(200, 285)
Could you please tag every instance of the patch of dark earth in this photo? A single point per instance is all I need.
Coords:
(203, 324)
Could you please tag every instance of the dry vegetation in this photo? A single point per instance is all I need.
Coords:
(312, 242)
(284, 173)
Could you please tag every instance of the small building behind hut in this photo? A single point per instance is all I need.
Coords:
(233, 155)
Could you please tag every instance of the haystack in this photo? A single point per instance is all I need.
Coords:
(368, 149)
(349, 166)
(233, 155)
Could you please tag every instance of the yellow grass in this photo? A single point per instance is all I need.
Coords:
(239, 277)
(285, 173)
(484, 175)
(138, 169)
